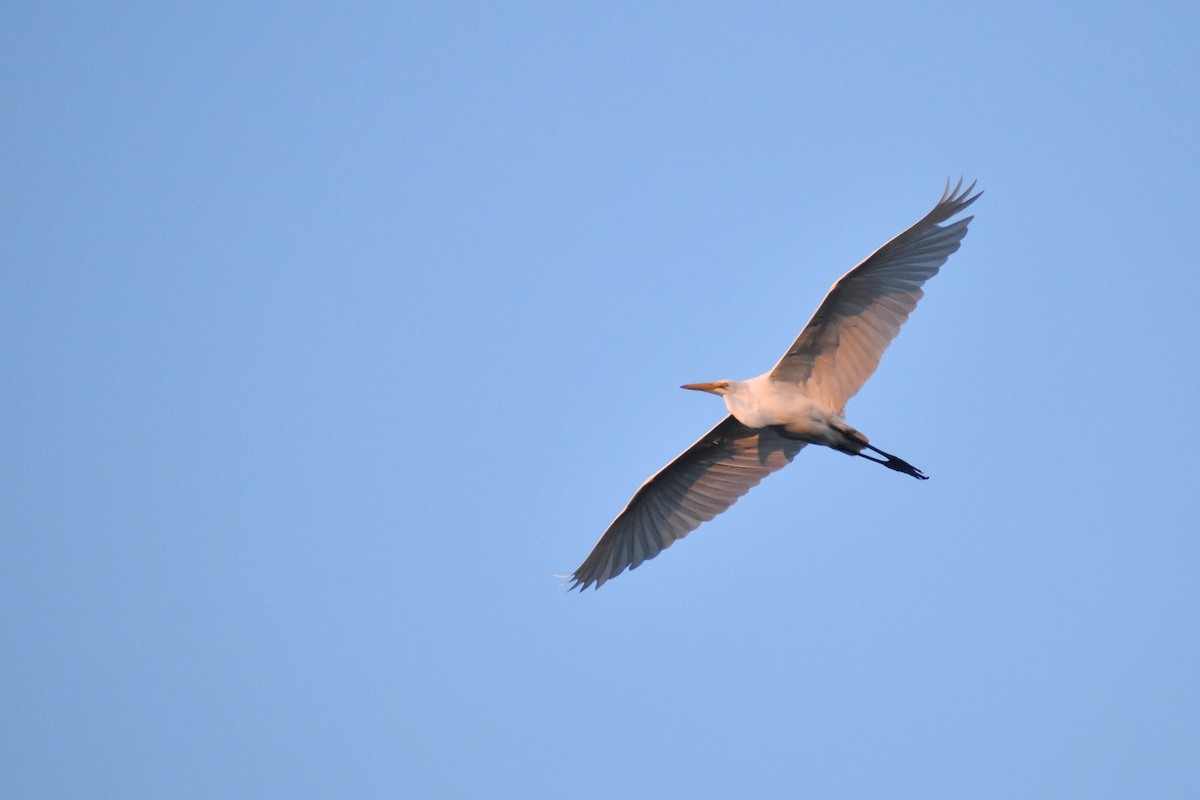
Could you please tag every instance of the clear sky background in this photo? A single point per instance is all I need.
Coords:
(330, 334)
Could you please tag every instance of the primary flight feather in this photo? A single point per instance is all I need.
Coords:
(800, 401)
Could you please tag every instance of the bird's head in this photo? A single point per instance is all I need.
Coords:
(716, 387)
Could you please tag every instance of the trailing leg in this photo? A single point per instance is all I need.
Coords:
(855, 444)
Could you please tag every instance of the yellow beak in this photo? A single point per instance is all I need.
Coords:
(701, 387)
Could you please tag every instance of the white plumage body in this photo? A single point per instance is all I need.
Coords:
(762, 402)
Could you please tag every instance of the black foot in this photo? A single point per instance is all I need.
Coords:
(898, 464)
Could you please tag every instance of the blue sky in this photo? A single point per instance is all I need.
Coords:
(330, 334)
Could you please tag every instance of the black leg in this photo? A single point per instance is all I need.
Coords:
(888, 460)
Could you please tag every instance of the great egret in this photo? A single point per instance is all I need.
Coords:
(800, 401)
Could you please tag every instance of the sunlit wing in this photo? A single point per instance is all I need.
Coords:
(841, 345)
(705, 480)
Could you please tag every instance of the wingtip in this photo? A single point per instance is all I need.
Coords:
(574, 581)
(579, 583)
(956, 199)
(958, 193)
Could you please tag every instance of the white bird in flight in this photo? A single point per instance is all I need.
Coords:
(800, 401)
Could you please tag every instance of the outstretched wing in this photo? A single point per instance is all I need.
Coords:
(841, 345)
(705, 480)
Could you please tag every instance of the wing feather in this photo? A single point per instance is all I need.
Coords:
(841, 345)
(701, 483)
